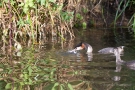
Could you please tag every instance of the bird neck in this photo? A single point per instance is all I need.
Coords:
(88, 49)
(118, 57)
(118, 60)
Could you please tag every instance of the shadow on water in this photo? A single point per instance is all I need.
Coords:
(83, 71)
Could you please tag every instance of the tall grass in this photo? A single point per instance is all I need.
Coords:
(36, 17)
(121, 12)
(42, 18)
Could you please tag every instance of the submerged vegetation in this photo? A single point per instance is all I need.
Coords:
(33, 21)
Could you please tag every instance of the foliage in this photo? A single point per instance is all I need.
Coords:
(132, 19)
(41, 18)
(84, 25)
(134, 23)
(122, 6)
(32, 72)
(119, 11)
(79, 21)
(2, 84)
(66, 16)
(34, 18)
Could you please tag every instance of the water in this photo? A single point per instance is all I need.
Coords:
(98, 72)
(101, 73)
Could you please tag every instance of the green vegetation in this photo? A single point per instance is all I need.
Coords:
(31, 17)
(123, 8)
(34, 20)
(31, 72)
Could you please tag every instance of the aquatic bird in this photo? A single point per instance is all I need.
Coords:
(118, 58)
(85, 46)
(82, 46)
(110, 50)
(129, 64)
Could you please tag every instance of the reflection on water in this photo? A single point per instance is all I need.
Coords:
(90, 56)
(87, 71)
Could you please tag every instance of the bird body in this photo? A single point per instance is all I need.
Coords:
(129, 64)
(85, 46)
(82, 46)
(110, 50)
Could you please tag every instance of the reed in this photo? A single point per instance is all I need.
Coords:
(42, 18)
(34, 17)
(120, 11)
